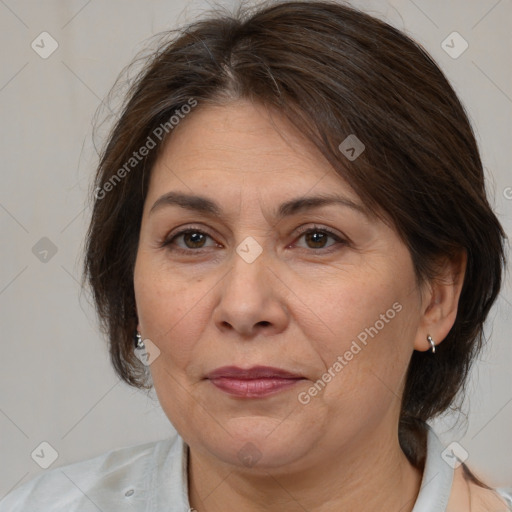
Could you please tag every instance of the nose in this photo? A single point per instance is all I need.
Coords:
(251, 299)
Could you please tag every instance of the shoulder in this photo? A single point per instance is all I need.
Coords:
(102, 482)
(467, 495)
(451, 485)
(490, 500)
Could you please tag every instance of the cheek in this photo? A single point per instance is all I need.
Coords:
(372, 324)
(350, 310)
(169, 309)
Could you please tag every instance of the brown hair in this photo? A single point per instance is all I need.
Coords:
(332, 71)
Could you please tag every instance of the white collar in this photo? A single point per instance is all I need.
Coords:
(437, 480)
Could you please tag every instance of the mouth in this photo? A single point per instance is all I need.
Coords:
(255, 382)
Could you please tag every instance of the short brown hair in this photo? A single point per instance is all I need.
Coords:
(332, 71)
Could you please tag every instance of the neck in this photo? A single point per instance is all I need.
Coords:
(372, 471)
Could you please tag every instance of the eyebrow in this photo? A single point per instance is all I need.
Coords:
(207, 206)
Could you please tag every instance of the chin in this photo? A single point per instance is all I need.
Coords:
(257, 443)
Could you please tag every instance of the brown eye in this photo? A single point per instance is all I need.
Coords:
(192, 239)
(316, 238)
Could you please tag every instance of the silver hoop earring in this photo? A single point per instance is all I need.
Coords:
(432, 343)
(138, 340)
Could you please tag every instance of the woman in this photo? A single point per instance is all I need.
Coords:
(291, 241)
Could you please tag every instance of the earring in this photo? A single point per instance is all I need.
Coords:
(432, 343)
(138, 340)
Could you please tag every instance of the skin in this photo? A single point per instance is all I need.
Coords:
(298, 306)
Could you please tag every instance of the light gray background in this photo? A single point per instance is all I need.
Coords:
(56, 381)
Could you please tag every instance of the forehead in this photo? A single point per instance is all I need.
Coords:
(240, 146)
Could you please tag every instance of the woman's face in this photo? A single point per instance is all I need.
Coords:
(246, 288)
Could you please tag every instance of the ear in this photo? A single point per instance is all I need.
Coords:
(440, 302)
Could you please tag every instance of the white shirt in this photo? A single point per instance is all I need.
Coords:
(152, 477)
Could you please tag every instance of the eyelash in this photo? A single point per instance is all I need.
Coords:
(314, 229)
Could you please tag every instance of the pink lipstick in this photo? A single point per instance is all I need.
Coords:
(255, 382)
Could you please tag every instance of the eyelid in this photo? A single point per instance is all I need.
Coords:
(183, 229)
(317, 227)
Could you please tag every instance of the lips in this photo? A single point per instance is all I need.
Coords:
(255, 382)
(256, 372)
